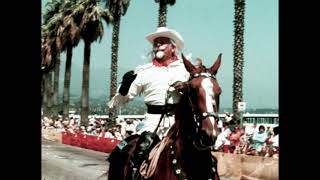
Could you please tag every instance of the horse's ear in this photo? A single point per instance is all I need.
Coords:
(214, 68)
(189, 66)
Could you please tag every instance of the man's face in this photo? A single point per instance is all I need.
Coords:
(165, 45)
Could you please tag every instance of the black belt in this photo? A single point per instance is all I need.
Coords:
(158, 109)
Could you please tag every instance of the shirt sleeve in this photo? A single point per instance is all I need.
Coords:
(134, 90)
(118, 100)
(136, 87)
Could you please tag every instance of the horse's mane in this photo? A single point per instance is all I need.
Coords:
(185, 124)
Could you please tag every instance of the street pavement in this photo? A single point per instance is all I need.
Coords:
(65, 162)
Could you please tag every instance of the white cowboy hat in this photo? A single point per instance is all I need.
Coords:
(169, 33)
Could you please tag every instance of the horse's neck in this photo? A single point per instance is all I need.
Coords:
(183, 116)
(193, 163)
(185, 126)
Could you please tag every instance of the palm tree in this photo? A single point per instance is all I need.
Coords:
(163, 11)
(91, 29)
(239, 6)
(70, 39)
(51, 52)
(117, 8)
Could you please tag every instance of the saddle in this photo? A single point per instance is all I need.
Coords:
(149, 165)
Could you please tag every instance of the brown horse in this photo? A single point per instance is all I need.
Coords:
(187, 155)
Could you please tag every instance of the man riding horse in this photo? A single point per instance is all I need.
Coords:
(154, 81)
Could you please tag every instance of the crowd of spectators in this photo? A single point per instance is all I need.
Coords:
(249, 139)
(96, 126)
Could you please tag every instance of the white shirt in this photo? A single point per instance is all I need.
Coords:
(131, 127)
(117, 135)
(275, 140)
(225, 136)
(250, 130)
(220, 124)
(153, 83)
(123, 128)
(108, 135)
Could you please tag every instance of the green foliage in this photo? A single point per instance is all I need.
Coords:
(170, 2)
(117, 7)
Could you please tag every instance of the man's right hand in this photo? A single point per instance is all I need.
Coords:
(180, 86)
(127, 80)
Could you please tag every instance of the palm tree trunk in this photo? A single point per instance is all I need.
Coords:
(85, 85)
(67, 77)
(238, 55)
(114, 65)
(44, 94)
(49, 94)
(162, 14)
(55, 97)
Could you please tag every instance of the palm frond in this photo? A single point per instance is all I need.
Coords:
(117, 7)
(170, 2)
(52, 8)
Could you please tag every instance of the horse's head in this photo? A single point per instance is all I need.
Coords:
(203, 92)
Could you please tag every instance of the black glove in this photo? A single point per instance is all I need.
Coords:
(127, 80)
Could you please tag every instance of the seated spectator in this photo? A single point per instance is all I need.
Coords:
(97, 131)
(57, 125)
(72, 122)
(90, 128)
(218, 145)
(225, 137)
(244, 142)
(65, 123)
(139, 126)
(250, 130)
(92, 120)
(83, 130)
(70, 129)
(117, 133)
(220, 125)
(108, 134)
(227, 117)
(48, 122)
(122, 126)
(76, 121)
(103, 125)
(273, 144)
(259, 139)
(235, 140)
(130, 127)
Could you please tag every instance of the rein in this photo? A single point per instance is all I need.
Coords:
(163, 113)
(197, 117)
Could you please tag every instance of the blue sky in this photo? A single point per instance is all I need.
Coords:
(207, 29)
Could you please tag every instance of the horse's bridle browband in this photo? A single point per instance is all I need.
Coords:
(203, 74)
